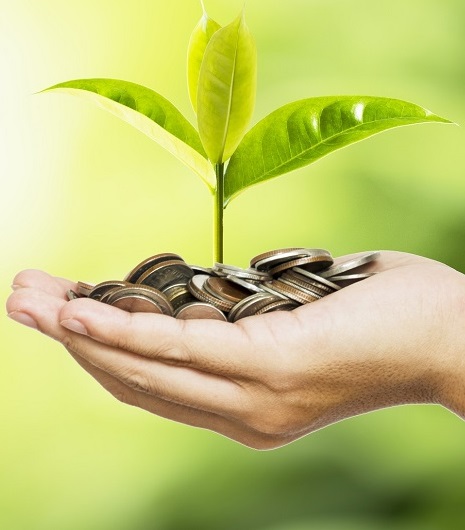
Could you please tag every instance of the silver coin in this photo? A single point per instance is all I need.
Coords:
(308, 283)
(252, 287)
(72, 295)
(303, 286)
(102, 288)
(316, 277)
(245, 274)
(349, 264)
(346, 277)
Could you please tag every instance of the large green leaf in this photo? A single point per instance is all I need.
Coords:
(200, 37)
(300, 133)
(226, 90)
(149, 112)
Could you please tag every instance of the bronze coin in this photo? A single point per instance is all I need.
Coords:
(272, 253)
(142, 290)
(278, 305)
(312, 263)
(293, 293)
(225, 290)
(145, 265)
(137, 304)
(84, 288)
(248, 306)
(165, 274)
(306, 282)
(197, 289)
(199, 310)
(178, 295)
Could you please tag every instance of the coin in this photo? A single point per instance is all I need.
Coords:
(225, 289)
(313, 263)
(199, 310)
(346, 277)
(103, 287)
(136, 304)
(306, 282)
(71, 295)
(166, 274)
(349, 264)
(84, 288)
(271, 253)
(304, 285)
(251, 286)
(250, 305)
(145, 265)
(245, 274)
(316, 277)
(278, 305)
(280, 256)
(294, 294)
(178, 295)
(141, 292)
(197, 289)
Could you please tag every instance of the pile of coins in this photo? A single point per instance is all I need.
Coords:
(278, 280)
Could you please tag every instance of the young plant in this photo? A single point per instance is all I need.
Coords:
(221, 70)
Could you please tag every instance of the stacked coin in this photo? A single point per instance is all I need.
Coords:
(278, 280)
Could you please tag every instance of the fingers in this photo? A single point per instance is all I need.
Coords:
(234, 430)
(42, 281)
(37, 309)
(176, 384)
(211, 346)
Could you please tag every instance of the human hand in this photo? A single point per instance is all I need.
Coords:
(397, 337)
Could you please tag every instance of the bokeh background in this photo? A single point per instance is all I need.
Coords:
(85, 196)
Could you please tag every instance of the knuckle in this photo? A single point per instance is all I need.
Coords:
(135, 379)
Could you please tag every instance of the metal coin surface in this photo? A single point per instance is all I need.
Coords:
(72, 295)
(313, 263)
(253, 287)
(145, 265)
(352, 277)
(316, 277)
(104, 298)
(202, 270)
(294, 294)
(199, 310)
(245, 274)
(166, 274)
(103, 287)
(249, 306)
(197, 289)
(84, 288)
(225, 289)
(349, 264)
(178, 295)
(142, 290)
(136, 304)
(269, 262)
(299, 279)
(304, 286)
(272, 253)
(278, 305)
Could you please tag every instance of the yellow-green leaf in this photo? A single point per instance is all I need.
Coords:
(150, 113)
(302, 132)
(226, 90)
(200, 37)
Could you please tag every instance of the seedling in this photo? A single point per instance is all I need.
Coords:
(221, 68)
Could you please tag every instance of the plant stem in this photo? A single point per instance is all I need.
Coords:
(218, 214)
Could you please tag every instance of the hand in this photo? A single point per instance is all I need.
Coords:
(397, 337)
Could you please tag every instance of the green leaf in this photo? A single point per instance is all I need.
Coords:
(200, 37)
(149, 112)
(226, 91)
(300, 133)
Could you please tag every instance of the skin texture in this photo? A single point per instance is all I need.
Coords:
(395, 338)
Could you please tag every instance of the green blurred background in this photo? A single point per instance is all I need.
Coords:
(87, 197)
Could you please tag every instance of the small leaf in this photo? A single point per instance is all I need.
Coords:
(300, 133)
(226, 91)
(200, 37)
(149, 112)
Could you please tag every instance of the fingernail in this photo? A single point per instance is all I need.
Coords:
(74, 325)
(23, 318)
